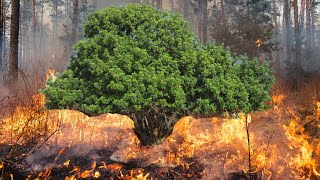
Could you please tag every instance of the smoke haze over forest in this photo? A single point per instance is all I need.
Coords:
(289, 36)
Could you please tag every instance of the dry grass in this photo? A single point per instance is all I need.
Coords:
(302, 98)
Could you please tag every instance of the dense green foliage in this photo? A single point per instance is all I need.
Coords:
(147, 64)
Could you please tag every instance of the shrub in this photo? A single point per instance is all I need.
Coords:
(147, 64)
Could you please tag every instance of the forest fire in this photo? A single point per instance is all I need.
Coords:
(75, 146)
(51, 74)
(148, 66)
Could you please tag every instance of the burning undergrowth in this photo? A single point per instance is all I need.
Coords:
(66, 144)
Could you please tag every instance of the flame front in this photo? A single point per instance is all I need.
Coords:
(277, 149)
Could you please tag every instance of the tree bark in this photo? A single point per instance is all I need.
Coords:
(74, 21)
(14, 43)
(313, 28)
(41, 28)
(95, 4)
(308, 30)
(172, 5)
(298, 41)
(186, 9)
(302, 12)
(205, 21)
(200, 22)
(223, 17)
(34, 28)
(276, 59)
(1, 36)
(159, 4)
(67, 9)
(287, 23)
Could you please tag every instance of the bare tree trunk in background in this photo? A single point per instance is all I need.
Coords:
(200, 22)
(14, 43)
(67, 9)
(297, 62)
(186, 9)
(302, 12)
(1, 36)
(276, 60)
(313, 28)
(308, 30)
(223, 16)
(34, 28)
(205, 21)
(41, 28)
(159, 4)
(4, 42)
(74, 21)
(21, 52)
(287, 22)
(54, 32)
(171, 2)
(95, 4)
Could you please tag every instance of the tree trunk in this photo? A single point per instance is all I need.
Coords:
(205, 21)
(302, 12)
(159, 4)
(4, 42)
(21, 38)
(1, 36)
(41, 28)
(67, 9)
(74, 21)
(276, 60)
(54, 33)
(152, 129)
(200, 22)
(297, 63)
(95, 4)
(172, 5)
(223, 17)
(313, 28)
(14, 42)
(186, 9)
(34, 29)
(287, 23)
(308, 30)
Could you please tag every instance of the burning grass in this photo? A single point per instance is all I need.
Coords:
(65, 144)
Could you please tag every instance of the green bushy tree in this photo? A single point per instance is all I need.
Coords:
(147, 64)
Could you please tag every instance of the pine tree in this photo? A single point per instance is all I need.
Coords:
(14, 43)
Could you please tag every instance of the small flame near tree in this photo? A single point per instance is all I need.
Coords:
(51, 74)
(258, 42)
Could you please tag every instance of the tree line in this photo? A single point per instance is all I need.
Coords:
(284, 31)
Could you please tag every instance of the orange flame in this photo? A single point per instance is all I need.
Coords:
(51, 74)
(67, 163)
(304, 158)
(258, 42)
